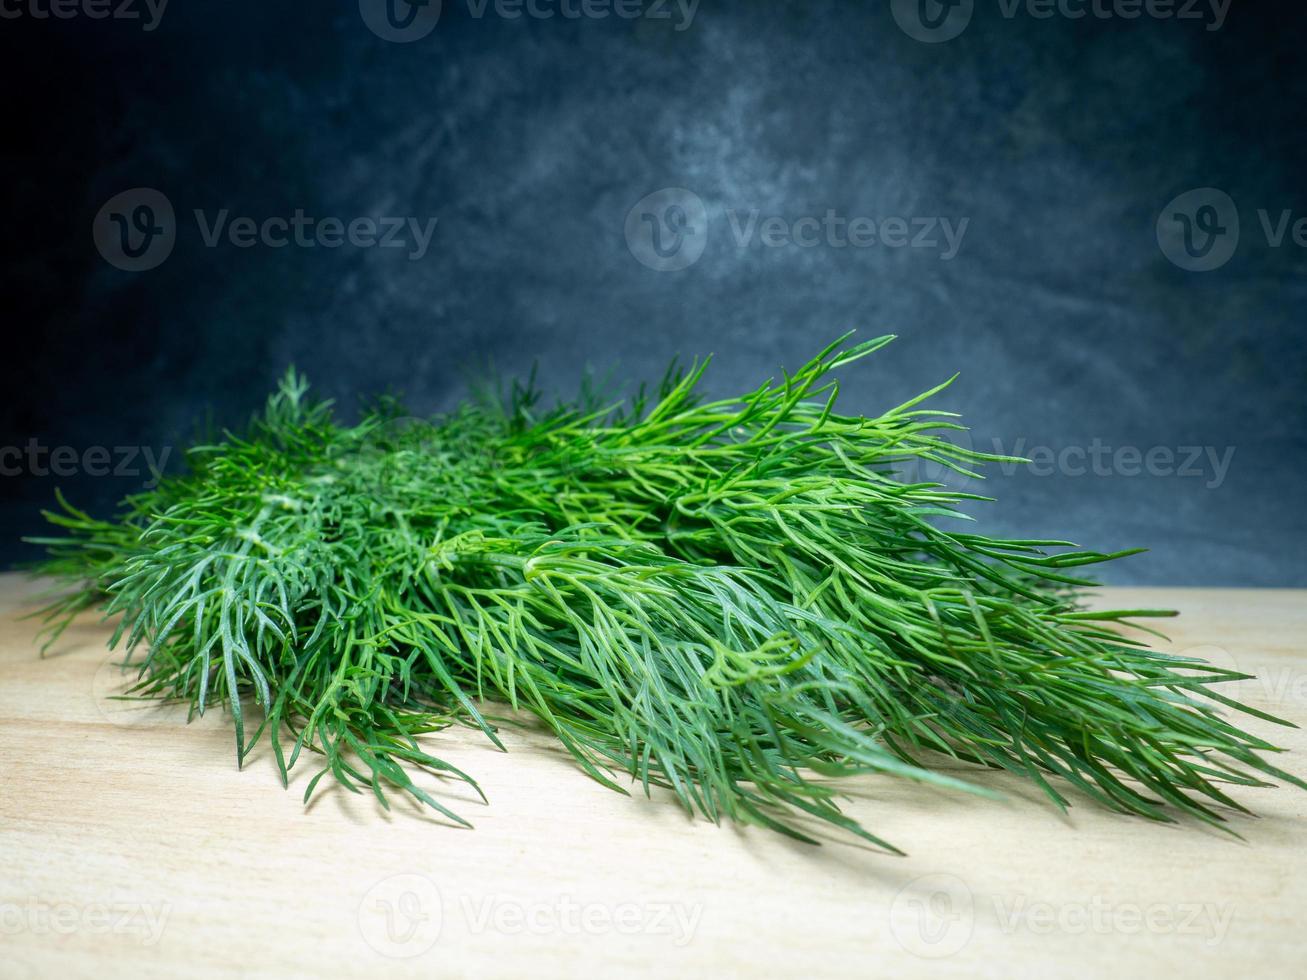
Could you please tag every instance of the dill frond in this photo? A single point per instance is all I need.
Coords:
(737, 600)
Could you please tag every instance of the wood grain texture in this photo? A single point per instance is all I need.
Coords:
(130, 845)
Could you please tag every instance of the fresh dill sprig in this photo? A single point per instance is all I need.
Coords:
(734, 599)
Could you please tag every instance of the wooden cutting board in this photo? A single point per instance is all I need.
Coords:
(130, 845)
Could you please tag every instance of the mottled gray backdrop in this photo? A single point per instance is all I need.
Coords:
(1093, 218)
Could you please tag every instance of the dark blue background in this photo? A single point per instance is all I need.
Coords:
(1060, 140)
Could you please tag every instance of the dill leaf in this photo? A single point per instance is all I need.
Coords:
(739, 600)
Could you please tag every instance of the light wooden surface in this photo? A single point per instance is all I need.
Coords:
(130, 845)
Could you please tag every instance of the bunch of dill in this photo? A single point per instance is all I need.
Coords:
(735, 599)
